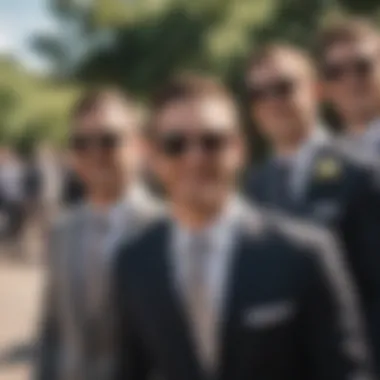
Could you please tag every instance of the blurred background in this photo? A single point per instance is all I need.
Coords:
(52, 49)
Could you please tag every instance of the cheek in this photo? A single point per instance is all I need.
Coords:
(263, 115)
(234, 159)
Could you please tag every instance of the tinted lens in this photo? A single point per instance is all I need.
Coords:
(363, 67)
(79, 143)
(173, 145)
(333, 72)
(280, 89)
(256, 94)
(213, 143)
(108, 141)
(283, 88)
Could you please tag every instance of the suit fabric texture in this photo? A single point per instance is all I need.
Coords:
(341, 190)
(72, 346)
(289, 312)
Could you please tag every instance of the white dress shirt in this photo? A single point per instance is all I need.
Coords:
(216, 264)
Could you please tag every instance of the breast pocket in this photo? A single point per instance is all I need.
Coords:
(268, 332)
(269, 316)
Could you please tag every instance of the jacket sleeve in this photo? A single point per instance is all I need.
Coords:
(48, 344)
(362, 232)
(332, 331)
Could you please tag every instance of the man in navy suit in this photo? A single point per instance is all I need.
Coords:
(349, 65)
(218, 289)
(310, 173)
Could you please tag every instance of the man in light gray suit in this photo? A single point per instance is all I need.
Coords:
(77, 337)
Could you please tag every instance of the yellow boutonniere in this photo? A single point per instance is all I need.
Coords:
(328, 168)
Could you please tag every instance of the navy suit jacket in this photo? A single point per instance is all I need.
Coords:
(291, 272)
(341, 190)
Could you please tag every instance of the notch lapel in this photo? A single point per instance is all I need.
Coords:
(230, 310)
(250, 229)
(168, 309)
(75, 266)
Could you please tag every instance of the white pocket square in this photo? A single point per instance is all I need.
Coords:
(269, 315)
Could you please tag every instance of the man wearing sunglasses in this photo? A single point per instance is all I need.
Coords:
(310, 174)
(349, 64)
(218, 289)
(77, 339)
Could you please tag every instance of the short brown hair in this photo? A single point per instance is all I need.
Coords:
(188, 86)
(265, 52)
(343, 31)
(94, 97)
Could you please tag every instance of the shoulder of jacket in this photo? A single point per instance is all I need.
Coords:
(144, 238)
(66, 218)
(300, 233)
(355, 155)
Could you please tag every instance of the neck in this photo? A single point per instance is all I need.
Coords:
(197, 217)
(291, 145)
(106, 197)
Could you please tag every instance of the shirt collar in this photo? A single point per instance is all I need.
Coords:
(217, 231)
(121, 207)
(373, 129)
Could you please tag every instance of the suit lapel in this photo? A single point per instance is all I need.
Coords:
(171, 316)
(302, 170)
(226, 333)
(248, 244)
(75, 265)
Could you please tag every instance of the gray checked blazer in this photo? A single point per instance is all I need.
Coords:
(70, 346)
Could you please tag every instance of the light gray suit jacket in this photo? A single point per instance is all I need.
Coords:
(67, 351)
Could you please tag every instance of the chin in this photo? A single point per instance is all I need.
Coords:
(206, 200)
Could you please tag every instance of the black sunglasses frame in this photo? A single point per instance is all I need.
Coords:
(178, 144)
(279, 89)
(104, 142)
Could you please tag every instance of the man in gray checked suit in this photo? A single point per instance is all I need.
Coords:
(77, 338)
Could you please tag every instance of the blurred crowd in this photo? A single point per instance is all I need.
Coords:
(160, 267)
(33, 190)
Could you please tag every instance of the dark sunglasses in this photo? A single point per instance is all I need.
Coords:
(360, 68)
(105, 142)
(280, 89)
(178, 144)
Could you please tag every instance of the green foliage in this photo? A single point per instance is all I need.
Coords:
(31, 107)
(149, 40)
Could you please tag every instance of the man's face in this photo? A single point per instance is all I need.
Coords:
(282, 97)
(197, 151)
(351, 77)
(104, 146)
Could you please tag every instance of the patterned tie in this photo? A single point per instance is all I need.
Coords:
(200, 305)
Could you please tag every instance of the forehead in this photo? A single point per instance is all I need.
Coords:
(348, 49)
(213, 112)
(108, 115)
(283, 64)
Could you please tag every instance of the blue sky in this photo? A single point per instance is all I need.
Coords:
(19, 20)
